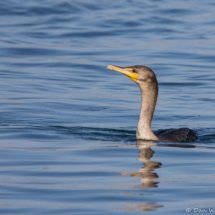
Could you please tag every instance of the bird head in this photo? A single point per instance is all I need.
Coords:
(139, 74)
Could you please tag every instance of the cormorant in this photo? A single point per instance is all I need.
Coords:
(147, 81)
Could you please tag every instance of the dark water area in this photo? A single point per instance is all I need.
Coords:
(68, 125)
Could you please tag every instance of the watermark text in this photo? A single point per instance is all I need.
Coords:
(201, 210)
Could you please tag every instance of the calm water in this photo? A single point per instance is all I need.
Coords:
(67, 124)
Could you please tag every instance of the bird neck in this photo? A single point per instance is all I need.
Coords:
(148, 102)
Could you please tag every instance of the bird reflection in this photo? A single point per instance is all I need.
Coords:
(143, 206)
(147, 174)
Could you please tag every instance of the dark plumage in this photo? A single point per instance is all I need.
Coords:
(176, 135)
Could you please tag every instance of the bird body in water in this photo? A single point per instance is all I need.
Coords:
(147, 81)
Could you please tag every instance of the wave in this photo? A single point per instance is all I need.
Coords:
(101, 134)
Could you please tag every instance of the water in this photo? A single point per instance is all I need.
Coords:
(68, 125)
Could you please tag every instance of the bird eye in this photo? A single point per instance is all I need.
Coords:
(133, 70)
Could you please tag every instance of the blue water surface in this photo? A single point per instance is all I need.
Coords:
(67, 124)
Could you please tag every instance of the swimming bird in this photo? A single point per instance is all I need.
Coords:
(147, 81)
